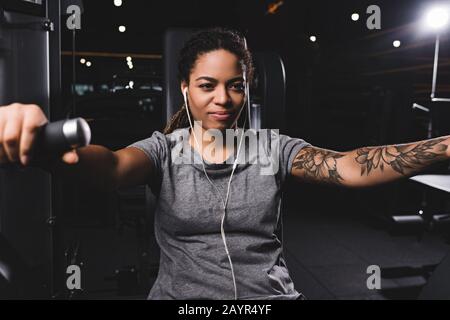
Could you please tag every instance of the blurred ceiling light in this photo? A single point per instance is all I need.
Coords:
(313, 38)
(117, 3)
(397, 43)
(122, 29)
(273, 7)
(355, 17)
(82, 60)
(88, 64)
(129, 59)
(437, 18)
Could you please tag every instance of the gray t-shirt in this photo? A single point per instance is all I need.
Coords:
(193, 260)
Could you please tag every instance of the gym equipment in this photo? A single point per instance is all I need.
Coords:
(30, 72)
(58, 137)
(438, 285)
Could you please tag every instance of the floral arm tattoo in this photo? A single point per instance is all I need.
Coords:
(318, 165)
(375, 165)
(401, 158)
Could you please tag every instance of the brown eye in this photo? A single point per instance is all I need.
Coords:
(207, 86)
(238, 87)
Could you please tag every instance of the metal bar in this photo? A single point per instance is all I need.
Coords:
(53, 13)
(440, 100)
(435, 67)
(112, 55)
(418, 106)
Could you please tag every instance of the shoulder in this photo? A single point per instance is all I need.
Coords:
(162, 140)
(285, 143)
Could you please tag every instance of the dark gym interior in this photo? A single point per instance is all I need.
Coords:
(346, 86)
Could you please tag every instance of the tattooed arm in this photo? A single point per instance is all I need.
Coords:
(369, 166)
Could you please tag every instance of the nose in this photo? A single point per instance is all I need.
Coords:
(222, 97)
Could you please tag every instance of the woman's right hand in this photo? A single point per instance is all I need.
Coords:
(19, 126)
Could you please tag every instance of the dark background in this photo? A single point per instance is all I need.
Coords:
(338, 87)
(351, 88)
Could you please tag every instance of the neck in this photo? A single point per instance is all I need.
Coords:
(213, 148)
(206, 137)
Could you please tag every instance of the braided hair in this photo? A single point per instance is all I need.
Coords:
(200, 43)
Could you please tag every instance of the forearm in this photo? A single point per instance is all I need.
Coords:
(377, 165)
(95, 168)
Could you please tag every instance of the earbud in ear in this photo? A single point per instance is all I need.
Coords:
(185, 91)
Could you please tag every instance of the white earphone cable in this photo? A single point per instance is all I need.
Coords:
(224, 202)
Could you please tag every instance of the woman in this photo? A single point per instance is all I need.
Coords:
(218, 224)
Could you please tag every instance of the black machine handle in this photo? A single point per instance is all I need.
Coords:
(62, 136)
(56, 138)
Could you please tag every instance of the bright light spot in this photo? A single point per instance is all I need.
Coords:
(396, 43)
(129, 59)
(131, 84)
(82, 60)
(420, 211)
(355, 17)
(130, 66)
(313, 38)
(122, 29)
(117, 3)
(88, 64)
(437, 18)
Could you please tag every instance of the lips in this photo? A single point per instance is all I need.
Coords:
(221, 115)
(221, 112)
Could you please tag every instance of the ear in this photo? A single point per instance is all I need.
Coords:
(184, 87)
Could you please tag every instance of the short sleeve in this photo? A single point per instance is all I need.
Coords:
(155, 148)
(289, 148)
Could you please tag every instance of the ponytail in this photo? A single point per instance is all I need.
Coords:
(178, 120)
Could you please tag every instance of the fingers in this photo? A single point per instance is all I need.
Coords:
(71, 157)
(19, 125)
(3, 156)
(32, 122)
(11, 136)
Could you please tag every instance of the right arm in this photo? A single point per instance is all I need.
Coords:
(106, 170)
(94, 165)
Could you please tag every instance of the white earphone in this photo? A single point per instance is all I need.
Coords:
(224, 202)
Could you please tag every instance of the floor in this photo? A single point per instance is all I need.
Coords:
(328, 255)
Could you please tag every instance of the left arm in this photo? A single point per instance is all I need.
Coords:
(369, 166)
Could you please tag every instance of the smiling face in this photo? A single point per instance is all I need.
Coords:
(216, 90)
